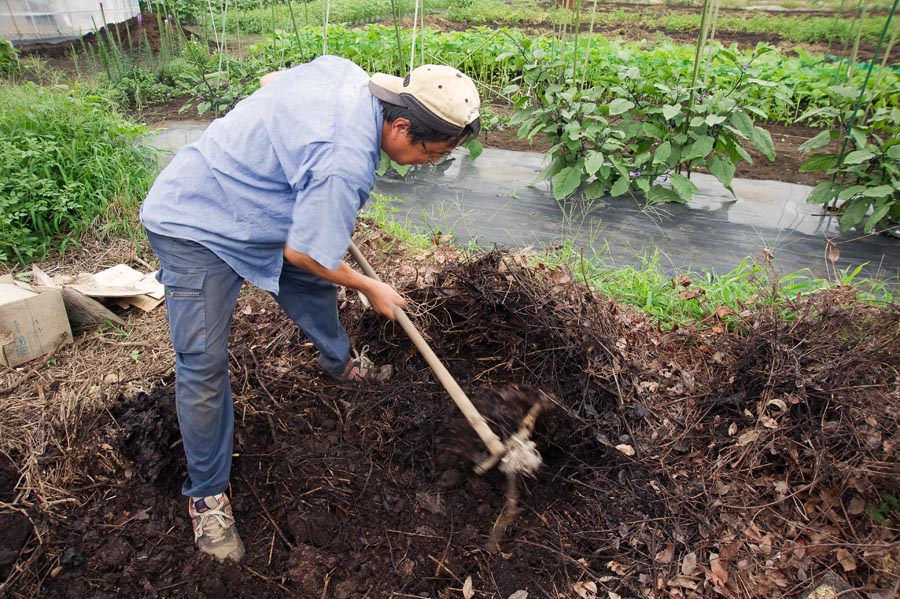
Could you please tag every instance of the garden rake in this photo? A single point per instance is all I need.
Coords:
(518, 454)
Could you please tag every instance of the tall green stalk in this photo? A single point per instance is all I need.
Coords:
(563, 29)
(702, 41)
(699, 53)
(325, 27)
(395, 12)
(889, 47)
(224, 47)
(296, 31)
(837, 19)
(412, 49)
(578, 4)
(212, 20)
(587, 54)
(422, 29)
(860, 19)
(714, 21)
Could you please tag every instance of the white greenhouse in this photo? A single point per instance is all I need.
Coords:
(25, 22)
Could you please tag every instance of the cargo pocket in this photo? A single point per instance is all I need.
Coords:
(186, 305)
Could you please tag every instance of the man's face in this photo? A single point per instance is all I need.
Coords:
(396, 143)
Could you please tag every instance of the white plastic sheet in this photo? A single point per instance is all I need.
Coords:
(50, 21)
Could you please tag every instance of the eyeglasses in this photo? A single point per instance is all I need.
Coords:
(435, 157)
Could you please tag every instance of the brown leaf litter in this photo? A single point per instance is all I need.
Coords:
(740, 459)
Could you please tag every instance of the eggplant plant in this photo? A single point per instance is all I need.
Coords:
(864, 166)
(640, 133)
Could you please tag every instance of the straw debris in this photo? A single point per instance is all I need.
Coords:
(761, 455)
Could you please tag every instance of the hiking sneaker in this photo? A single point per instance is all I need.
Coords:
(361, 369)
(214, 529)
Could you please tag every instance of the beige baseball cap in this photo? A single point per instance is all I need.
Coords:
(442, 97)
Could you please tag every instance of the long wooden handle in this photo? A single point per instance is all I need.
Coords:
(490, 440)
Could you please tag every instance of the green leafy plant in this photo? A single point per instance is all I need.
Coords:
(864, 167)
(637, 132)
(881, 512)
(66, 160)
(9, 58)
(215, 82)
(387, 165)
(781, 87)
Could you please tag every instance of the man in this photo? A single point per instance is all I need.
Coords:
(270, 194)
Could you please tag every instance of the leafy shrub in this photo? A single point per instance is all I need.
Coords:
(216, 83)
(65, 159)
(865, 166)
(9, 58)
(140, 88)
(636, 132)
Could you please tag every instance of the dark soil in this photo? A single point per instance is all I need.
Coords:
(16, 527)
(753, 454)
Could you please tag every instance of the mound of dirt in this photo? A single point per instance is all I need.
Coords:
(741, 459)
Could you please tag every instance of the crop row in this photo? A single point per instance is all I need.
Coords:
(786, 86)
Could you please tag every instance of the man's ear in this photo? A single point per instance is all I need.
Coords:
(401, 125)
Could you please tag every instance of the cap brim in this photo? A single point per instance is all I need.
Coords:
(387, 88)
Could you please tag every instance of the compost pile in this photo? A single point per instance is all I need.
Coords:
(745, 457)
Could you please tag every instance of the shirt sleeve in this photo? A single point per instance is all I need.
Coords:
(324, 216)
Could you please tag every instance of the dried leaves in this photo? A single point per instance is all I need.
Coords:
(742, 463)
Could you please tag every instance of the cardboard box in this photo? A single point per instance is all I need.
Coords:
(32, 323)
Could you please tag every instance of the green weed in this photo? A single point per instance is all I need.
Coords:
(66, 161)
(9, 58)
(673, 298)
(888, 506)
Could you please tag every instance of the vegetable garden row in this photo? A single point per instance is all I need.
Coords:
(620, 117)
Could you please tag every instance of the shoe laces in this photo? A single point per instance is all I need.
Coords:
(213, 522)
(362, 358)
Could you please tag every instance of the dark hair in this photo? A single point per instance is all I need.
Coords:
(419, 132)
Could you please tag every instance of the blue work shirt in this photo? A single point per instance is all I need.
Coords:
(293, 163)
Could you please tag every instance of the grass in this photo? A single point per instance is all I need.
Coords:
(288, 16)
(794, 27)
(688, 298)
(680, 299)
(68, 163)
